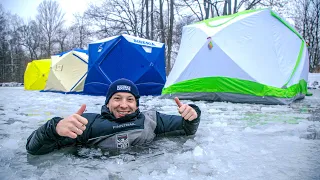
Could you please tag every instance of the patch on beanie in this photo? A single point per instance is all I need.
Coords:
(123, 88)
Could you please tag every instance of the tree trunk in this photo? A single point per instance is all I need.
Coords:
(162, 37)
(235, 6)
(170, 34)
(206, 6)
(147, 20)
(229, 7)
(142, 17)
(225, 8)
(151, 18)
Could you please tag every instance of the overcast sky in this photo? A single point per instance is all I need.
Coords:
(27, 9)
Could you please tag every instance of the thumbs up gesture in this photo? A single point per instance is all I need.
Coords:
(73, 125)
(186, 111)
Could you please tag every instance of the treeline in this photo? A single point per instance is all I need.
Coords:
(159, 20)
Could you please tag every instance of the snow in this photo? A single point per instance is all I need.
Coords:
(314, 81)
(10, 84)
(234, 141)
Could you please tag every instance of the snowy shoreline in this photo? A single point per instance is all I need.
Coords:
(11, 84)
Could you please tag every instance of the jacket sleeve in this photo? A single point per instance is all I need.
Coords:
(169, 125)
(45, 139)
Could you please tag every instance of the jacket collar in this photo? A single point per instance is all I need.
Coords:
(105, 112)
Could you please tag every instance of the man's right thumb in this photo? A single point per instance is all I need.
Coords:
(82, 109)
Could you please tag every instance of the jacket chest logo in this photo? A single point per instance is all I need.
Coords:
(123, 125)
(122, 141)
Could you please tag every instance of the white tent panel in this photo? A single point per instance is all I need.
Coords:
(191, 42)
(72, 71)
(301, 68)
(240, 40)
(81, 55)
(53, 83)
(67, 72)
(210, 63)
(213, 27)
(80, 84)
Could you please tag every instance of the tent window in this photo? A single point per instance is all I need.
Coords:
(147, 49)
(59, 67)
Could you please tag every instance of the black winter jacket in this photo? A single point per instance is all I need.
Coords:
(107, 132)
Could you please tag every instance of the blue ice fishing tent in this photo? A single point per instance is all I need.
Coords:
(139, 60)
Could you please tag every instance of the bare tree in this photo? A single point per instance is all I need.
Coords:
(151, 19)
(15, 56)
(195, 7)
(143, 4)
(160, 20)
(162, 36)
(204, 9)
(177, 34)
(61, 38)
(307, 21)
(30, 36)
(147, 20)
(51, 20)
(80, 33)
(170, 34)
(225, 7)
(114, 17)
(4, 46)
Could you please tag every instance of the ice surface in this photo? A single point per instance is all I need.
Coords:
(314, 80)
(234, 141)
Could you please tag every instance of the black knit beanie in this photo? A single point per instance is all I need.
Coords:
(123, 85)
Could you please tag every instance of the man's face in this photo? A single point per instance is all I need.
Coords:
(122, 103)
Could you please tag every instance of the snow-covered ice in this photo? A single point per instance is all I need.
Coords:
(234, 141)
(314, 80)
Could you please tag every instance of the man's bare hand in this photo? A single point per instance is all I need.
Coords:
(186, 111)
(73, 125)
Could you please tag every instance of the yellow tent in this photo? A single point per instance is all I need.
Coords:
(36, 74)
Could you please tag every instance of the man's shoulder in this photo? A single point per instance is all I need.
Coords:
(150, 114)
(145, 111)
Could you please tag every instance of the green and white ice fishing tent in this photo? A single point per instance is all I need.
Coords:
(253, 56)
